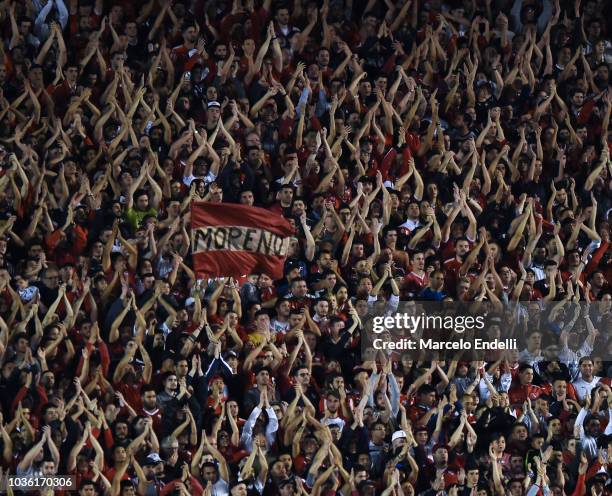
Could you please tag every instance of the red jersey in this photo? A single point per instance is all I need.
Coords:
(413, 283)
(520, 393)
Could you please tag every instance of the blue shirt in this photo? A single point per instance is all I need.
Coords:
(430, 294)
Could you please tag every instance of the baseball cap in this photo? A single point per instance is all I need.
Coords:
(336, 422)
(213, 104)
(398, 435)
(214, 378)
(290, 265)
(152, 459)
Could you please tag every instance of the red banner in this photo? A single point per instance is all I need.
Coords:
(236, 240)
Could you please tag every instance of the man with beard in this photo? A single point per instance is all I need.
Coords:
(586, 380)
(438, 469)
(153, 470)
(285, 199)
(256, 159)
(149, 408)
(139, 205)
(589, 426)
(183, 53)
(156, 139)
(413, 217)
(537, 261)
(173, 395)
(599, 285)
(321, 314)
(453, 265)
(252, 396)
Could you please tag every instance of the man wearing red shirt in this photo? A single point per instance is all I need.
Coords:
(148, 397)
(452, 266)
(65, 91)
(417, 279)
(420, 413)
(524, 390)
(439, 467)
(181, 54)
(285, 198)
(128, 379)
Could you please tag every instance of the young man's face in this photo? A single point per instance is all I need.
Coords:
(88, 490)
(333, 403)
(282, 17)
(48, 468)
(142, 202)
(149, 399)
(586, 367)
(171, 383)
(303, 377)
(462, 247)
(213, 114)
(472, 477)
(221, 52)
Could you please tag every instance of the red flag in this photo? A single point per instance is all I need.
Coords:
(233, 240)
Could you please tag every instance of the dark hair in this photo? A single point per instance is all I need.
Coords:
(261, 311)
(298, 367)
(146, 388)
(257, 370)
(426, 389)
(334, 393)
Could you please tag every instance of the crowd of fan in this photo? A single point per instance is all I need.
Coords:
(423, 149)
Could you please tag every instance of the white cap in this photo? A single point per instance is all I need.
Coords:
(398, 435)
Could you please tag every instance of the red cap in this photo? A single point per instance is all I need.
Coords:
(214, 378)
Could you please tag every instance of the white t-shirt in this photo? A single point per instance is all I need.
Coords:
(220, 488)
(208, 178)
(583, 387)
(410, 224)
